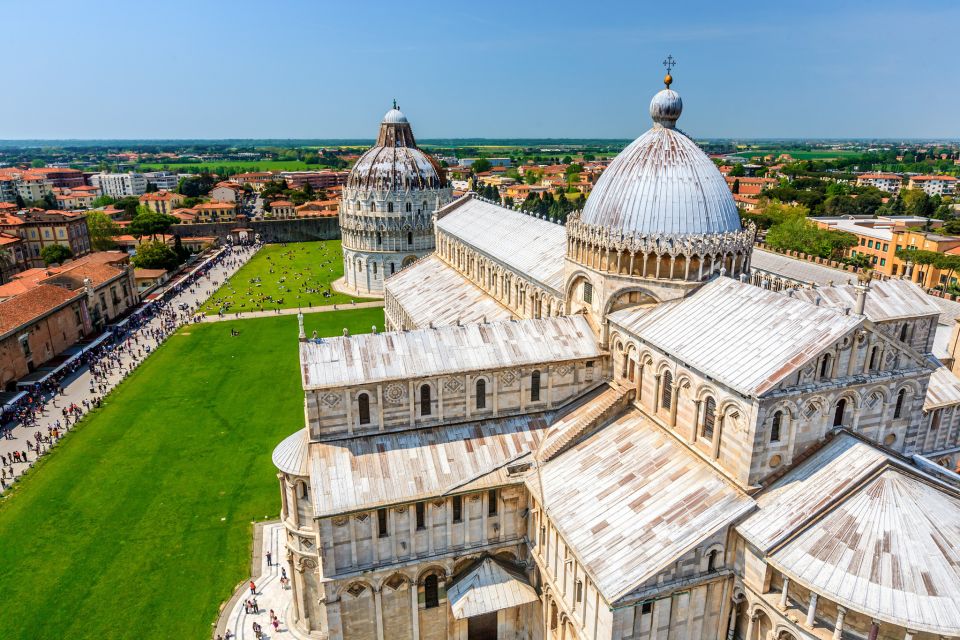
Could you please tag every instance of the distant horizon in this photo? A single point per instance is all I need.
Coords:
(322, 70)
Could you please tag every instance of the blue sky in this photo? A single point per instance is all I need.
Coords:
(206, 69)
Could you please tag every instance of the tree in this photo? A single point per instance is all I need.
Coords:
(736, 185)
(37, 164)
(102, 230)
(737, 171)
(916, 202)
(480, 165)
(129, 204)
(155, 255)
(55, 254)
(797, 233)
(150, 223)
(103, 201)
(196, 186)
(152, 187)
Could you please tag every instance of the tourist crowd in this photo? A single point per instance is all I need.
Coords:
(117, 354)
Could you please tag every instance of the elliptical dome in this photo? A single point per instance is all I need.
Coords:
(395, 162)
(662, 184)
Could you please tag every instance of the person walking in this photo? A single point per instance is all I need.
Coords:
(269, 559)
(253, 588)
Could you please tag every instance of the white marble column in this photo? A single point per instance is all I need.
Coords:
(378, 606)
(415, 610)
(783, 593)
(838, 627)
(812, 609)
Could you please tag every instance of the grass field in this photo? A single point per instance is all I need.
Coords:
(302, 272)
(238, 166)
(139, 525)
(800, 155)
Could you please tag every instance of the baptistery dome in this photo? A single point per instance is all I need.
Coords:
(662, 184)
(395, 161)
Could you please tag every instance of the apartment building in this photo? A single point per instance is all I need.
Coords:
(38, 228)
(216, 211)
(120, 185)
(162, 179)
(889, 182)
(162, 201)
(316, 179)
(935, 185)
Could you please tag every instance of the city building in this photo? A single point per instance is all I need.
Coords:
(13, 256)
(386, 212)
(37, 325)
(935, 185)
(30, 185)
(215, 211)
(257, 179)
(38, 228)
(280, 209)
(227, 192)
(880, 238)
(602, 430)
(119, 185)
(62, 177)
(316, 179)
(889, 182)
(105, 277)
(162, 201)
(72, 199)
(162, 180)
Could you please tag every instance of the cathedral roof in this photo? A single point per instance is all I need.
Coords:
(630, 500)
(392, 468)
(290, 456)
(395, 162)
(662, 184)
(867, 530)
(432, 293)
(403, 355)
(887, 300)
(526, 244)
(743, 336)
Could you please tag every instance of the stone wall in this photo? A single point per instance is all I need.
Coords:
(295, 230)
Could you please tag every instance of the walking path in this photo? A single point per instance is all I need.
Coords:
(237, 619)
(343, 306)
(82, 387)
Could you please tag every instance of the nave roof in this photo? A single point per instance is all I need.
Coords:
(402, 355)
(529, 246)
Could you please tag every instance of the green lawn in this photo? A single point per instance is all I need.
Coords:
(302, 271)
(139, 525)
(825, 154)
(234, 166)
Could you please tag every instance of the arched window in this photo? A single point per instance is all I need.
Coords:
(898, 409)
(481, 394)
(588, 293)
(873, 357)
(825, 365)
(392, 269)
(410, 237)
(712, 560)
(374, 269)
(425, 401)
(408, 207)
(903, 332)
(431, 592)
(363, 408)
(535, 386)
(304, 490)
(838, 414)
(775, 427)
(389, 207)
(666, 392)
(379, 238)
(709, 417)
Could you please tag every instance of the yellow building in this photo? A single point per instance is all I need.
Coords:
(162, 201)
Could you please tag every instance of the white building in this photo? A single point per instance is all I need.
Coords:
(591, 432)
(120, 185)
(386, 214)
(164, 180)
(889, 182)
(935, 185)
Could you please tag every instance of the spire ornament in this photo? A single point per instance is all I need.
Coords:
(669, 63)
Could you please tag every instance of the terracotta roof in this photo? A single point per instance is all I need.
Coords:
(32, 305)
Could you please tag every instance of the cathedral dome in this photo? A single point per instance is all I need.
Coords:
(662, 184)
(395, 162)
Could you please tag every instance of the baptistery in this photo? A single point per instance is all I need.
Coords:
(386, 214)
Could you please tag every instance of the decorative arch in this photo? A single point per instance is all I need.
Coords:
(619, 294)
(432, 569)
(352, 587)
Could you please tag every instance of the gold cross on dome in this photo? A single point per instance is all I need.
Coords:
(669, 63)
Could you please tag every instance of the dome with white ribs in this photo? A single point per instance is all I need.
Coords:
(662, 184)
(395, 163)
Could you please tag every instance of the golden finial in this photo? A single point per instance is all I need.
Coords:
(669, 63)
